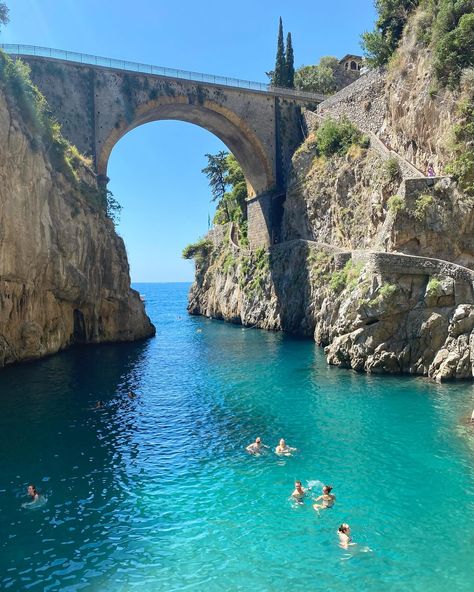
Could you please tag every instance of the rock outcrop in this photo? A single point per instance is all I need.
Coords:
(64, 276)
(376, 260)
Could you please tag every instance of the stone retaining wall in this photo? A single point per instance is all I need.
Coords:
(363, 102)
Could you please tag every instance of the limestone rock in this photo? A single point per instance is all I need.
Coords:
(64, 274)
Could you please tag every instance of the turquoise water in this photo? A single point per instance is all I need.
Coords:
(156, 493)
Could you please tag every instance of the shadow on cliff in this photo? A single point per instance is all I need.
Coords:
(289, 271)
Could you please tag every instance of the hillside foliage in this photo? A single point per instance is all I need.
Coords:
(320, 78)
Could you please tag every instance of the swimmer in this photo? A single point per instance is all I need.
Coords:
(299, 492)
(327, 499)
(283, 449)
(256, 446)
(33, 493)
(98, 405)
(344, 534)
(131, 395)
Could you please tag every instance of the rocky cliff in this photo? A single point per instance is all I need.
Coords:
(377, 261)
(64, 276)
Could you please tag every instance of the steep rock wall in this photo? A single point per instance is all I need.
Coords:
(377, 261)
(413, 316)
(64, 275)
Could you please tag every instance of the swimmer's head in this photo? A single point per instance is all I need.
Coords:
(32, 490)
(282, 443)
(258, 441)
(298, 484)
(344, 528)
(327, 489)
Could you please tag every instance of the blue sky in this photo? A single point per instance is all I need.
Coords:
(155, 170)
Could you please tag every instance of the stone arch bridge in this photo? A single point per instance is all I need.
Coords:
(98, 100)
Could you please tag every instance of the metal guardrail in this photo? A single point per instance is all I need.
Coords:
(91, 60)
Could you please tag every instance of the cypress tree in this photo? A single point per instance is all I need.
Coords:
(279, 74)
(290, 63)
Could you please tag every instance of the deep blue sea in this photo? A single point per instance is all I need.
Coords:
(156, 492)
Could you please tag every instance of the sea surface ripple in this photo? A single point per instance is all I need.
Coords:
(157, 493)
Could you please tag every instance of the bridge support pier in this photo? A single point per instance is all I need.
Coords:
(264, 213)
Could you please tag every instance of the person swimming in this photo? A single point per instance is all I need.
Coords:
(327, 499)
(283, 449)
(131, 395)
(33, 493)
(256, 447)
(98, 405)
(344, 534)
(299, 492)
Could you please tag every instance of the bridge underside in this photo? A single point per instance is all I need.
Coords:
(97, 106)
(230, 129)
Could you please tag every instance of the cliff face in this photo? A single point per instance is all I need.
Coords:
(64, 276)
(377, 261)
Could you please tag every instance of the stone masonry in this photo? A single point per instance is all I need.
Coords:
(96, 106)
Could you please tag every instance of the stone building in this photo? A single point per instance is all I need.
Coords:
(351, 62)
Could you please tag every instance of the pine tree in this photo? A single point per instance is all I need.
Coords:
(279, 74)
(289, 63)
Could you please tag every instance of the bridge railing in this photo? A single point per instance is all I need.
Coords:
(92, 60)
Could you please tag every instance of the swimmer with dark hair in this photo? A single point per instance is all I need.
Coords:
(299, 492)
(256, 447)
(98, 405)
(344, 534)
(33, 493)
(327, 499)
(131, 395)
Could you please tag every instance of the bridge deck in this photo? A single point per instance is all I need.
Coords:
(159, 71)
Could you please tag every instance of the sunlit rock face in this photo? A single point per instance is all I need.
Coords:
(64, 275)
(376, 262)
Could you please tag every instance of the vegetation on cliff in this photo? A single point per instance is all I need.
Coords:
(446, 26)
(198, 251)
(334, 137)
(444, 34)
(228, 187)
(44, 132)
(381, 43)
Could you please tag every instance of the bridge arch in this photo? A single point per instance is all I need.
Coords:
(232, 130)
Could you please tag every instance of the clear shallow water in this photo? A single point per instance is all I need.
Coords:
(156, 493)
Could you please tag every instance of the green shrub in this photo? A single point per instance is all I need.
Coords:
(391, 169)
(254, 271)
(386, 291)
(453, 40)
(347, 277)
(229, 263)
(336, 137)
(422, 205)
(396, 203)
(462, 165)
(198, 251)
(433, 287)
